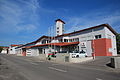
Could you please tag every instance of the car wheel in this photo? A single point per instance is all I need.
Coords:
(77, 56)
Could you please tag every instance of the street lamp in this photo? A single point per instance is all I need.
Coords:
(93, 51)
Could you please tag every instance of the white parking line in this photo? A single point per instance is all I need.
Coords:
(57, 69)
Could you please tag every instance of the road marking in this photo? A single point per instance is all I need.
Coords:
(34, 63)
(98, 79)
(55, 64)
(57, 69)
(40, 61)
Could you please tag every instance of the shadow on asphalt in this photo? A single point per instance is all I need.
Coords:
(109, 65)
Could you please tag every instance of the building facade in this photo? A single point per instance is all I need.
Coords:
(98, 40)
(12, 49)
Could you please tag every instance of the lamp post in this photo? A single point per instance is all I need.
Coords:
(93, 45)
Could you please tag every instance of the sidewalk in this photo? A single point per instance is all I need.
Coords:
(100, 63)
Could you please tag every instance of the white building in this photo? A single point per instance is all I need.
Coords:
(99, 40)
(12, 49)
(5, 50)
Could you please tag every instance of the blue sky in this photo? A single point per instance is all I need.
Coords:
(23, 21)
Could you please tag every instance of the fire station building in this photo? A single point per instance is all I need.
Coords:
(99, 40)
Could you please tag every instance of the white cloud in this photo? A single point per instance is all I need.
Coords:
(13, 14)
(93, 19)
(28, 28)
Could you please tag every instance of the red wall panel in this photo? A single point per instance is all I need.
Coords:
(101, 47)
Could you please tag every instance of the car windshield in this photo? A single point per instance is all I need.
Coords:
(82, 52)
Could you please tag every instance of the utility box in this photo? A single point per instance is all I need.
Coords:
(66, 58)
(62, 57)
(115, 62)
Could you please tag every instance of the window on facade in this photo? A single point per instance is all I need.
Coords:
(97, 36)
(60, 40)
(47, 41)
(65, 40)
(44, 41)
(70, 40)
(57, 27)
(57, 31)
(76, 39)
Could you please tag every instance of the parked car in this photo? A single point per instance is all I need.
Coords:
(76, 54)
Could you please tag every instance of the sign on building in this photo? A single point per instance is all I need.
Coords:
(83, 46)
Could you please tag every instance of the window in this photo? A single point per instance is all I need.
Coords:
(76, 39)
(60, 40)
(57, 27)
(57, 31)
(97, 36)
(65, 40)
(44, 42)
(70, 40)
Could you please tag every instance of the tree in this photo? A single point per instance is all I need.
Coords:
(118, 43)
(1, 49)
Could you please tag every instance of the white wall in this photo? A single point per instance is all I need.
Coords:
(110, 35)
(32, 52)
(88, 35)
(12, 50)
(4, 51)
(18, 51)
(59, 24)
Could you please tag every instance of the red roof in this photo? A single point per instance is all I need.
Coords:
(4, 47)
(13, 45)
(56, 44)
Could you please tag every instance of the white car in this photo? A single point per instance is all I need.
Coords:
(76, 54)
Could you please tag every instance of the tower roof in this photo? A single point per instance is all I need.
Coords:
(60, 20)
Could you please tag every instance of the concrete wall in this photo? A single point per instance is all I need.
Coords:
(60, 57)
(78, 60)
(65, 57)
(42, 56)
(115, 62)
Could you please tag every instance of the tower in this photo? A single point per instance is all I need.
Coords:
(59, 27)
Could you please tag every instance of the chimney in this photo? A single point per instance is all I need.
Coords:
(59, 27)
